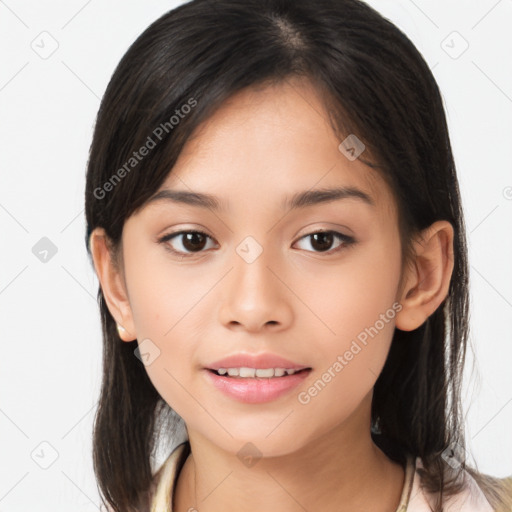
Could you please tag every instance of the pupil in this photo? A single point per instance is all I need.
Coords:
(191, 241)
(322, 236)
(195, 241)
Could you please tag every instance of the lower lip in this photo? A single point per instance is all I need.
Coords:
(257, 390)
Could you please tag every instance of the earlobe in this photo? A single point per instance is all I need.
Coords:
(427, 280)
(123, 333)
(112, 285)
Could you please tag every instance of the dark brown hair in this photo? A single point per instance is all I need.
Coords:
(375, 84)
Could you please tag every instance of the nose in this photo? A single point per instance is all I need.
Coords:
(255, 295)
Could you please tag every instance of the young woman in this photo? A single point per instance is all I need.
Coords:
(274, 217)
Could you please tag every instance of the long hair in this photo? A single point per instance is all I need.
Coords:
(375, 84)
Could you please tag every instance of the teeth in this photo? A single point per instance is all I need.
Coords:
(245, 372)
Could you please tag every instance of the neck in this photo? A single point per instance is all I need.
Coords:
(356, 475)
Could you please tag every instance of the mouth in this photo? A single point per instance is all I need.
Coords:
(253, 386)
(257, 373)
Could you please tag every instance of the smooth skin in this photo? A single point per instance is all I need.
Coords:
(295, 300)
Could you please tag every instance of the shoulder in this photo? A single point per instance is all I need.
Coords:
(162, 487)
(480, 493)
(498, 491)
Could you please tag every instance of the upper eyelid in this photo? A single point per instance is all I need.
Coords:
(169, 236)
(320, 230)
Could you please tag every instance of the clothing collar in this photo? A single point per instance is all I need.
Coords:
(413, 498)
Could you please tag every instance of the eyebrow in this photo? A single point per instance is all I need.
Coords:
(298, 200)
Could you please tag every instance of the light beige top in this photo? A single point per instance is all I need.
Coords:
(413, 498)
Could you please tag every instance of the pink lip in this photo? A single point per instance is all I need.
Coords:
(258, 389)
(255, 361)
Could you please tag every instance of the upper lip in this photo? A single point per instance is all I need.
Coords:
(262, 361)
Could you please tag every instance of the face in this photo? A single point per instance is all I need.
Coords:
(262, 279)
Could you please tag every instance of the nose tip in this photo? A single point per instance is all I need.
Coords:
(255, 297)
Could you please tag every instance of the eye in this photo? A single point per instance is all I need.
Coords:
(322, 241)
(186, 243)
(193, 241)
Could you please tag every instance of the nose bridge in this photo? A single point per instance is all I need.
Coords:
(251, 266)
(255, 296)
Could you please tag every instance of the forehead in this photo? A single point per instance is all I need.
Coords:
(271, 141)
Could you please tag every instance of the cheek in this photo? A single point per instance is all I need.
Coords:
(350, 361)
(159, 291)
(344, 300)
(152, 303)
(168, 308)
(356, 311)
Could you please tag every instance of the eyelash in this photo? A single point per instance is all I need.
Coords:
(348, 241)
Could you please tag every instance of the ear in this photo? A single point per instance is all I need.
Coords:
(427, 279)
(112, 284)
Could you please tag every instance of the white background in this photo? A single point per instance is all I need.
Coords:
(50, 327)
